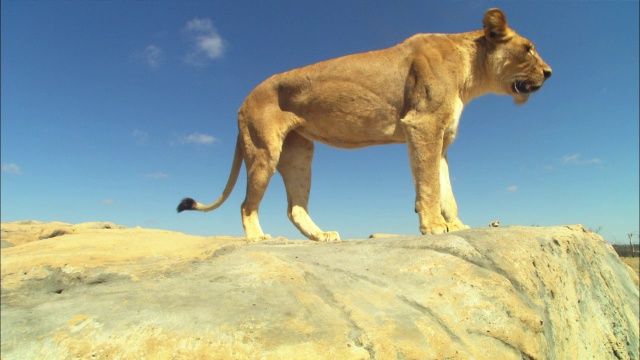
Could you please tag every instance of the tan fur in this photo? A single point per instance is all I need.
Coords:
(411, 93)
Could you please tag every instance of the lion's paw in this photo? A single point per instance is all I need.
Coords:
(434, 228)
(327, 236)
(259, 238)
(456, 225)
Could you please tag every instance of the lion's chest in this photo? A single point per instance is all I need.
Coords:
(452, 129)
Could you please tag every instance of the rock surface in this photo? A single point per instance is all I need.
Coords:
(22, 232)
(491, 293)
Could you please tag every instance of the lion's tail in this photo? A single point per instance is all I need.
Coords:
(190, 204)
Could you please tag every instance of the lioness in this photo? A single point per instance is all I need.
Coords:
(410, 93)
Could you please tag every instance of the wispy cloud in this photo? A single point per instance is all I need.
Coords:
(577, 160)
(512, 189)
(107, 201)
(152, 55)
(197, 138)
(157, 175)
(140, 137)
(11, 168)
(207, 43)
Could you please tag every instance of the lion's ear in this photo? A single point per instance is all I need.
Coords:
(495, 25)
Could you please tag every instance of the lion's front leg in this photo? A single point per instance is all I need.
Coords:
(448, 204)
(425, 149)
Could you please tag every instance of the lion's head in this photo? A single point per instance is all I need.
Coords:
(517, 67)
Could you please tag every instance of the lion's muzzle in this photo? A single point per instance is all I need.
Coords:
(531, 85)
(525, 87)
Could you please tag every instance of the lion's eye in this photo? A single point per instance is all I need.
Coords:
(529, 48)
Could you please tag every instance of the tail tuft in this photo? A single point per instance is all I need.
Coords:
(187, 204)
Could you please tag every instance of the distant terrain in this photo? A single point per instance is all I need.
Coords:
(624, 251)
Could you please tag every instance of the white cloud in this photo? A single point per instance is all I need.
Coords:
(208, 44)
(140, 137)
(212, 46)
(575, 159)
(107, 201)
(512, 188)
(154, 56)
(157, 175)
(11, 168)
(199, 25)
(569, 159)
(197, 138)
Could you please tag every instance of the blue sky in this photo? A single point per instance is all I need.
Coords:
(116, 110)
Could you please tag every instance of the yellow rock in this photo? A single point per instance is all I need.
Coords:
(492, 293)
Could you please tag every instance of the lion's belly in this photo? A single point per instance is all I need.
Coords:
(352, 127)
(348, 115)
(350, 136)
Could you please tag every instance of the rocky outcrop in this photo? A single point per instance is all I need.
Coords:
(22, 232)
(492, 293)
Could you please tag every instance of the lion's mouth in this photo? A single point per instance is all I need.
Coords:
(524, 87)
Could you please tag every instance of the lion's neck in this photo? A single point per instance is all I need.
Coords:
(464, 57)
(475, 81)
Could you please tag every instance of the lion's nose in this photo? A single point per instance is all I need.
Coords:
(547, 73)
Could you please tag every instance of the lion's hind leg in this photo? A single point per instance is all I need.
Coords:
(261, 162)
(295, 168)
(258, 176)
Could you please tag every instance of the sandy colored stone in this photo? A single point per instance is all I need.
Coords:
(491, 293)
(87, 249)
(22, 232)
